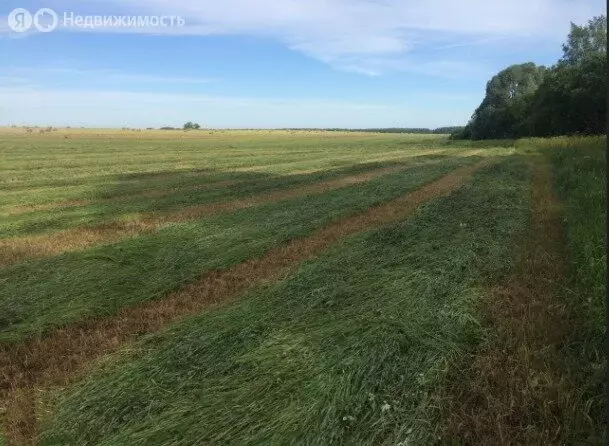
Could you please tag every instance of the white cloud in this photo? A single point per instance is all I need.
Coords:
(356, 34)
(348, 34)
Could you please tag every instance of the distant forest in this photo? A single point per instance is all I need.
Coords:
(568, 98)
(439, 130)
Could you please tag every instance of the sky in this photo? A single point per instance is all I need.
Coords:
(268, 63)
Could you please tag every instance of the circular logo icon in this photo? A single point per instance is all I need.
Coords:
(20, 20)
(45, 20)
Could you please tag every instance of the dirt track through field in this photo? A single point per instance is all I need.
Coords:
(518, 390)
(14, 250)
(59, 357)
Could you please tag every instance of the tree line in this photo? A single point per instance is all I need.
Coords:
(440, 130)
(565, 99)
(419, 130)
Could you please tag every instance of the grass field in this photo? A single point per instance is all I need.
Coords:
(278, 287)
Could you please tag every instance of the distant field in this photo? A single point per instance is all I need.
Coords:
(272, 287)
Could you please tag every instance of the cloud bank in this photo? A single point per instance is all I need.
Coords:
(364, 36)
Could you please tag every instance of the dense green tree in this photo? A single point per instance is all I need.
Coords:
(526, 100)
(508, 95)
(585, 41)
(572, 99)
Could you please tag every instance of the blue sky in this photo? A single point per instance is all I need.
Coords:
(273, 63)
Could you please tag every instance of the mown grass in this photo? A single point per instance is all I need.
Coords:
(579, 167)
(40, 294)
(210, 188)
(83, 171)
(357, 345)
(46, 168)
(346, 351)
(536, 377)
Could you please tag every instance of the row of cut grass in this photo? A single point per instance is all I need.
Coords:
(80, 160)
(538, 377)
(579, 166)
(277, 162)
(17, 249)
(346, 351)
(40, 294)
(58, 357)
(129, 205)
(96, 182)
